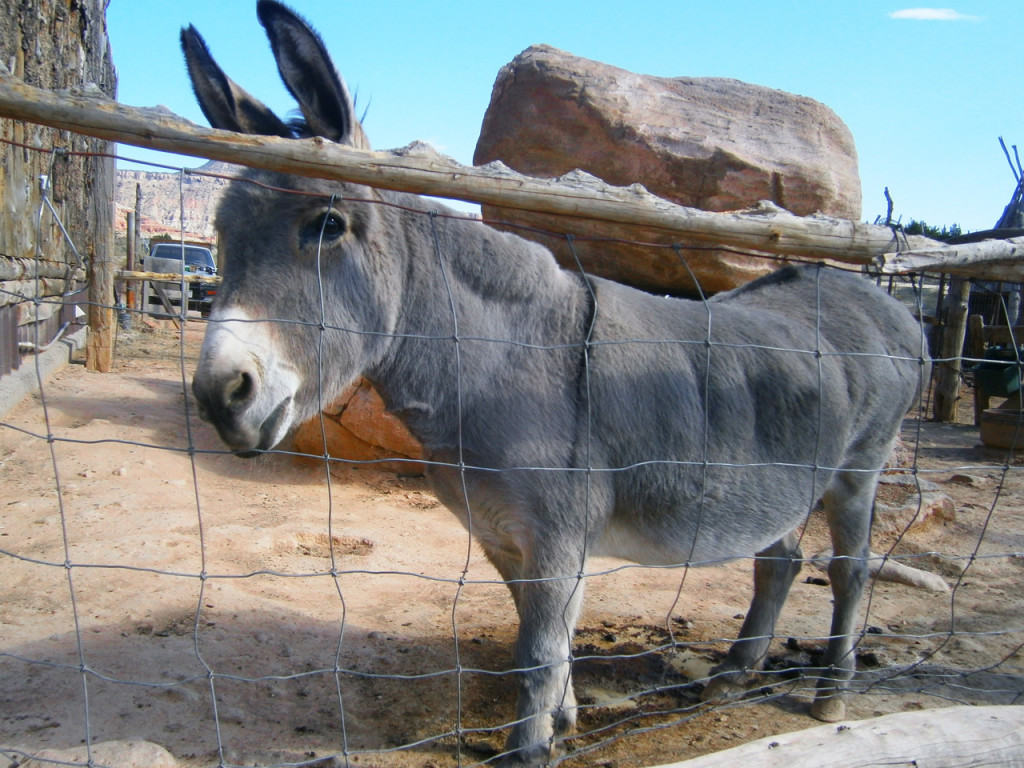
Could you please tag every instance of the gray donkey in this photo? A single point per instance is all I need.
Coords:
(562, 415)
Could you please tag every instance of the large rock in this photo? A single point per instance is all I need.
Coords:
(706, 143)
(357, 428)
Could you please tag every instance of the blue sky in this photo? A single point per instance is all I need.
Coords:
(926, 91)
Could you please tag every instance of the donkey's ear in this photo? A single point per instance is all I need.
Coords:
(226, 104)
(310, 76)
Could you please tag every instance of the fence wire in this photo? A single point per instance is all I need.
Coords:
(307, 610)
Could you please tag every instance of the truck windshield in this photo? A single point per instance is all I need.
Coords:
(194, 257)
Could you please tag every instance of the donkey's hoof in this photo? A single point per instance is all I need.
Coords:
(531, 758)
(565, 722)
(725, 687)
(828, 709)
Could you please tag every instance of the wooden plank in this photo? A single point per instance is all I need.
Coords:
(12, 268)
(995, 259)
(416, 169)
(1003, 335)
(956, 737)
(45, 288)
(174, 315)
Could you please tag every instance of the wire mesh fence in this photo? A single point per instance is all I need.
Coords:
(314, 610)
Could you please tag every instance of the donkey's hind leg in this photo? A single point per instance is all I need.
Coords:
(774, 571)
(848, 509)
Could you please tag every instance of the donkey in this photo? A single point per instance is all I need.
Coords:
(561, 415)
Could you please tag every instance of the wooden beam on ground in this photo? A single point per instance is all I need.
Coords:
(955, 737)
(420, 170)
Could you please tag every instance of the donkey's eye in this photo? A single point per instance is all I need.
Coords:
(331, 225)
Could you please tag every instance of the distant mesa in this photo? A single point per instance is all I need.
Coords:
(161, 205)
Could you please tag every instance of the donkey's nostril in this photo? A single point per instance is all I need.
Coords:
(240, 390)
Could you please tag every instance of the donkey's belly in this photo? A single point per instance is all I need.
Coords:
(652, 547)
(666, 516)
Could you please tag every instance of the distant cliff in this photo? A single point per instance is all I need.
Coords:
(165, 196)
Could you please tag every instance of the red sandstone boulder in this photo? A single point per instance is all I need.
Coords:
(357, 428)
(707, 143)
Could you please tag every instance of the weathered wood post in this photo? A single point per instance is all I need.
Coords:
(950, 365)
(129, 256)
(140, 293)
(129, 260)
(99, 348)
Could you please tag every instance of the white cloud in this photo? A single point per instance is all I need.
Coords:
(932, 14)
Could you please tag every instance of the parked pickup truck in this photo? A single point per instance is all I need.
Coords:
(170, 257)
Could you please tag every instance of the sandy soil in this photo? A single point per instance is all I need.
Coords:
(204, 603)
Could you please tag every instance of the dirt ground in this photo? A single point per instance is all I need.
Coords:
(266, 612)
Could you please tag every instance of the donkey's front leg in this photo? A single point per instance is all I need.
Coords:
(546, 707)
(774, 571)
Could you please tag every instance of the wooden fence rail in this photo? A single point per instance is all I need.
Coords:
(167, 277)
(418, 169)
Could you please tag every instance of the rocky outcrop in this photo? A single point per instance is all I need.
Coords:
(707, 143)
(56, 46)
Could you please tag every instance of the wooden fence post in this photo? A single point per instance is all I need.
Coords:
(99, 347)
(950, 365)
(129, 259)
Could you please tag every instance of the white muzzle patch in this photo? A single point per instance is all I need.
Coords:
(244, 384)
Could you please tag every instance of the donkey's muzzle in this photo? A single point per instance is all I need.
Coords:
(235, 403)
(244, 384)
